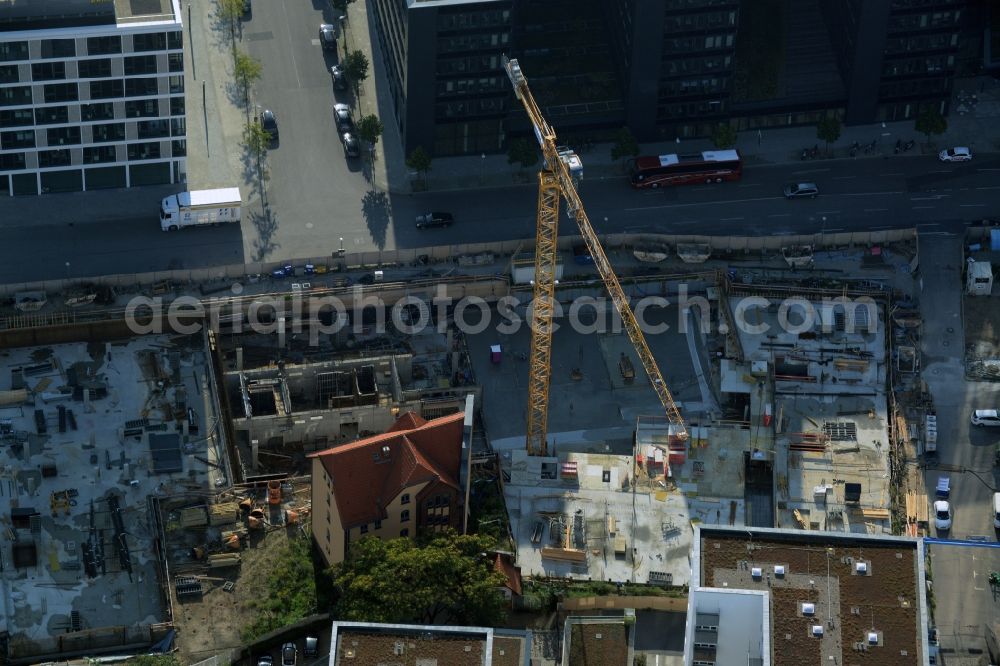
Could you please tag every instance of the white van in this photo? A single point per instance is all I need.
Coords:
(996, 510)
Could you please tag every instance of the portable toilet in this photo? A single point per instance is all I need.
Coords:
(979, 278)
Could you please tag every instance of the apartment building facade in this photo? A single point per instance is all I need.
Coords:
(91, 95)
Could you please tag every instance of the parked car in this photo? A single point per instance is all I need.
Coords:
(339, 78)
(289, 654)
(265, 660)
(351, 147)
(342, 114)
(269, 123)
(428, 220)
(327, 37)
(801, 190)
(247, 10)
(311, 648)
(942, 515)
(960, 154)
(986, 417)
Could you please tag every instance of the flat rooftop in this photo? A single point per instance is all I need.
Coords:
(90, 431)
(864, 593)
(368, 644)
(20, 15)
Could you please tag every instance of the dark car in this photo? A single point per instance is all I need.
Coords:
(265, 661)
(327, 37)
(247, 10)
(289, 654)
(428, 220)
(342, 114)
(311, 648)
(801, 190)
(269, 123)
(339, 78)
(351, 147)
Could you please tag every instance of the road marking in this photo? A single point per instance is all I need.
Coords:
(989, 187)
(936, 197)
(730, 219)
(945, 171)
(875, 210)
(704, 203)
(781, 215)
(892, 174)
(843, 177)
(812, 171)
(972, 205)
(987, 169)
(866, 194)
(922, 207)
(828, 212)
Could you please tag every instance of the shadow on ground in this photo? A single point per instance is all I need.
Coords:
(376, 210)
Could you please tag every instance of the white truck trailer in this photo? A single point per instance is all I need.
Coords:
(199, 208)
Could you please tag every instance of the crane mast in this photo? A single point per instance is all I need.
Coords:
(555, 182)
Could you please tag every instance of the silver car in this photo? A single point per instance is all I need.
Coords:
(801, 190)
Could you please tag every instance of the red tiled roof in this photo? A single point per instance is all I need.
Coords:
(504, 565)
(369, 473)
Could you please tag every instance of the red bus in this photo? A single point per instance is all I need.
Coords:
(711, 166)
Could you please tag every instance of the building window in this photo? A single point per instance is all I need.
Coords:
(178, 148)
(364, 528)
(9, 74)
(109, 132)
(48, 71)
(176, 62)
(21, 139)
(53, 158)
(99, 111)
(177, 107)
(15, 96)
(175, 40)
(178, 127)
(104, 45)
(378, 524)
(11, 161)
(94, 69)
(60, 136)
(405, 498)
(144, 151)
(328, 535)
(140, 87)
(16, 118)
(51, 115)
(13, 51)
(60, 92)
(97, 154)
(140, 65)
(176, 84)
(156, 41)
(106, 89)
(405, 532)
(142, 109)
(404, 516)
(58, 48)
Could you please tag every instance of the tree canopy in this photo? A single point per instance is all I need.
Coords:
(625, 145)
(446, 577)
(522, 153)
(419, 160)
(930, 122)
(828, 130)
(370, 128)
(355, 66)
(723, 136)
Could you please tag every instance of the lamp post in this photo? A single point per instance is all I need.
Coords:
(341, 250)
(67, 270)
(482, 168)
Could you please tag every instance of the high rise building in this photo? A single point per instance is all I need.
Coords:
(91, 95)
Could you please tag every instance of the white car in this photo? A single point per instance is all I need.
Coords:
(985, 417)
(955, 155)
(942, 515)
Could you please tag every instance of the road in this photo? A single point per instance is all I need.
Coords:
(855, 195)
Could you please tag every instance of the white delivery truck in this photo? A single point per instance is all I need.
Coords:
(200, 208)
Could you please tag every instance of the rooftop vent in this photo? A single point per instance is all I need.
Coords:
(808, 609)
(779, 571)
(817, 630)
(861, 568)
(756, 572)
(873, 638)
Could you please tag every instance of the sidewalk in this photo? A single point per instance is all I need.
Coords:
(979, 129)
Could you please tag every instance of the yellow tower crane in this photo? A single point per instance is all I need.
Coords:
(555, 181)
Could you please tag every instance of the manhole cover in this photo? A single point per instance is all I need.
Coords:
(950, 329)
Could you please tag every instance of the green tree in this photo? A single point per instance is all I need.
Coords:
(445, 578)
(256, 139)
(231, 11)
(929, 122)
(290, 591)
(370, 129)
(419, 161)
(625, 145)
(356, 69)
(828, 130)
(723, 136)
(247, 71)
(522, 152)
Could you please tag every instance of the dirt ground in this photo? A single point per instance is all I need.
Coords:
(982, 333)
(213, 623)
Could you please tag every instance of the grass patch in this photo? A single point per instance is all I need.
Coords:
(760, 50)
(290, 592)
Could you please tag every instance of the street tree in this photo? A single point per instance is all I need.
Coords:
(446, 577)
(723, 136)
(522, 152)
(247, 71)
(256, 140)
(419, 161)
(231, 11)
(625, 145)
(355, 66)
(370, 129)
(828, 130)
(929, 122)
